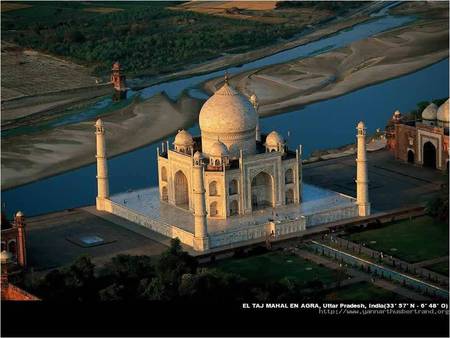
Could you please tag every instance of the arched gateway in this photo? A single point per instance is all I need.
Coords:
(429, 155)
(262, 191)
(181, 190)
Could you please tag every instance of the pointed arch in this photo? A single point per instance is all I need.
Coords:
(181, 190)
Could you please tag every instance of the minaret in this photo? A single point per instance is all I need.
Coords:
(19, 222)
(102, 166)
(254, 101)
(362, 181)
(201, 241)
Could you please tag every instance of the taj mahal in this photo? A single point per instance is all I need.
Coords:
(231, 184)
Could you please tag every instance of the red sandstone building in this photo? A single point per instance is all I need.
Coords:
(13, 239)
(13, 257)
(117, 78)
(421, 142)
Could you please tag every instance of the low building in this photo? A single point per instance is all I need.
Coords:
(421, 142)
(13, 239)
(8, 290)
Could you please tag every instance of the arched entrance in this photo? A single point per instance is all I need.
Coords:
(181, 190)
(213, 209)
(410, 156)
(289, 176)
(234, 208)
(164, 174)
(164, 194)
(429, 155)
(213, 188)
(289, 196)
(233, 188)
(262, 191)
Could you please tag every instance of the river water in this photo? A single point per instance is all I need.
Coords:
(325, 124)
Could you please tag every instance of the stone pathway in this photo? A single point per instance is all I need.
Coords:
(431, 261)
(359, 276)
(384, 259)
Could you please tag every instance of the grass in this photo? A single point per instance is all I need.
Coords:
(441, 268)
(275, 266)
(363, 292)
(415, 240)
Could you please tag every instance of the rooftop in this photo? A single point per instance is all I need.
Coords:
(147, 202)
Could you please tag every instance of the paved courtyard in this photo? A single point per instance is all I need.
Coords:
(393, 184)
(56, 239)
(315, 199)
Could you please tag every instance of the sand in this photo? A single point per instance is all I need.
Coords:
(30, 157)
(35, 156)
(362, 63)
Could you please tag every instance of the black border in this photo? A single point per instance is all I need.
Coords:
(183, 319)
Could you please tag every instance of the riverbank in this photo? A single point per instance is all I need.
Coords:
(31, 157)
(27, 158)
(366, 62)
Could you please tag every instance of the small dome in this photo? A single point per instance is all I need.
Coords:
(430, 112)
(198, 156)
(361, 125)
(274, 139)
(442, 113)
(183, 138)
(5, 257)
(99, 123)
(218, 149)
(227, 111)
(19, 214)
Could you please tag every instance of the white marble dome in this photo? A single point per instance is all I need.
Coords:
(198, 156)
(183, 138)
(229, 116)
(443, 113)
(274, 139)
(227, 111)
(218, 149)
(430, 112)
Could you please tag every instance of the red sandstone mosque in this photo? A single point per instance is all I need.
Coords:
(13, 257)
(421, 142)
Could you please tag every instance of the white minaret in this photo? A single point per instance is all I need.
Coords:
(102, 166)
(254, 101)
(201, 241)
(362, 181)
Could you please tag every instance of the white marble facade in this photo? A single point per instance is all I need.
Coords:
(243, 171)
(231, 184)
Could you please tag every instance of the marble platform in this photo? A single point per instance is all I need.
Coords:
(315, 200)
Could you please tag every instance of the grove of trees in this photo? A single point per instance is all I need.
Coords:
(147, 37)
(173, 276)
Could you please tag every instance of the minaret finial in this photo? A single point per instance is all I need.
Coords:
(227, 78)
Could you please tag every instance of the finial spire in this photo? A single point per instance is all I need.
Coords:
(227, 78)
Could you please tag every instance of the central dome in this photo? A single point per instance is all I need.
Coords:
(227, 111)
(230, 117)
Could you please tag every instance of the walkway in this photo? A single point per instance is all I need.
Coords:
(380, 271)
(396, 264)
(359, 276)
(431, 261)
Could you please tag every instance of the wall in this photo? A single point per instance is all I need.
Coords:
(238, 235)
(332, 215)
(167, 230)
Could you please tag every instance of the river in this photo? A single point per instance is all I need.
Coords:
(321, 125)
